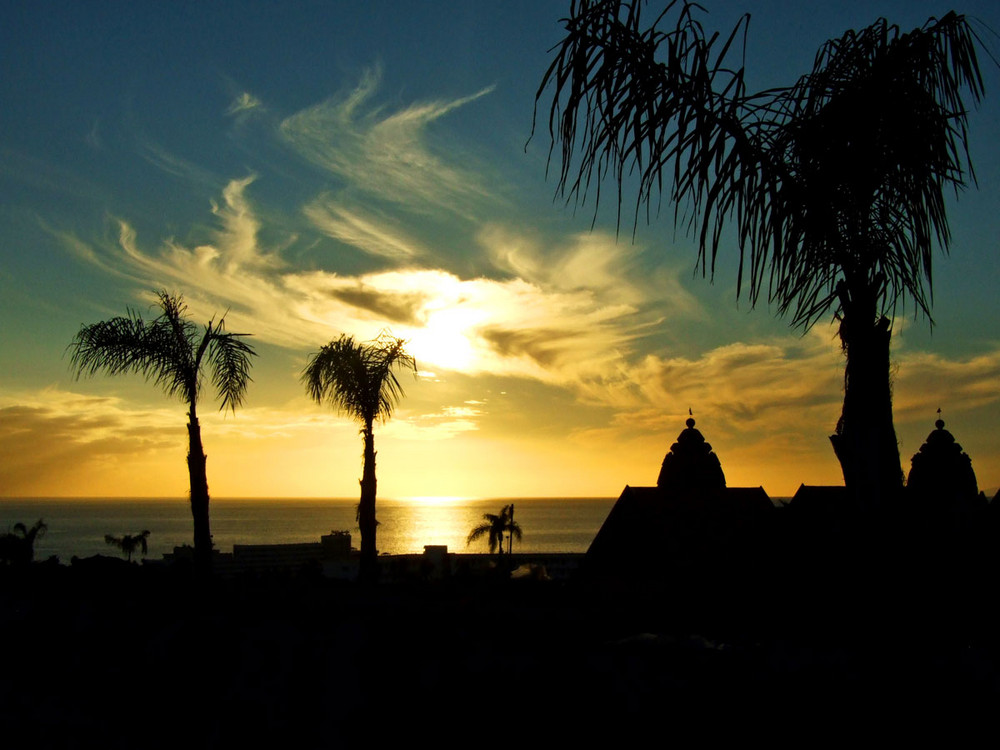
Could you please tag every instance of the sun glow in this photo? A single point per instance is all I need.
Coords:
(436, 499)
(443, 342)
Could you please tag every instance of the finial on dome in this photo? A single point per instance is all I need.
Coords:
(690, 422)
(940, 422)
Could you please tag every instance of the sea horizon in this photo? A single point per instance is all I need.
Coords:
(77, 525)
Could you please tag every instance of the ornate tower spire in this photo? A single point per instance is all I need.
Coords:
(690, 464)
(940, 471)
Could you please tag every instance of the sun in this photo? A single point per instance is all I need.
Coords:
(444, 341)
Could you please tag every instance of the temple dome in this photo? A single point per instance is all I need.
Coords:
(940, 470)
(690, 464)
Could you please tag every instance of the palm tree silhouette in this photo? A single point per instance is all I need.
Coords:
(834, 185)
(129, 543)
(172, 351)
(494, 527)
(17, 547)
(359, 380)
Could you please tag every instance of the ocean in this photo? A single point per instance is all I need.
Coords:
(77, 526)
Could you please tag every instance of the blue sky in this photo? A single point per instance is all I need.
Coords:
(318, 168)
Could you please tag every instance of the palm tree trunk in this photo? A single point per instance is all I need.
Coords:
(510, 537)
(366, 509)
(199, 497)
(865, 441)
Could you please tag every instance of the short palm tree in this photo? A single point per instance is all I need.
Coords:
(494, 527)
(359, 379)
(129, 543)
(17, 547)
(172, 351)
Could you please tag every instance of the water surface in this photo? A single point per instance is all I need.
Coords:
(77, 526)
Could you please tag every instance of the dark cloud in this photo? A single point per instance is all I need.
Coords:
(404, 308)
(546, 346)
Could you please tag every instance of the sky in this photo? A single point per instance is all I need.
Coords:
(317, 168)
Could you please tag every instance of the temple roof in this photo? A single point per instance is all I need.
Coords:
(690, 464)
(650, 533)
(940, 468)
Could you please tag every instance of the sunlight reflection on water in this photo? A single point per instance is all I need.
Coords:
(77, 526)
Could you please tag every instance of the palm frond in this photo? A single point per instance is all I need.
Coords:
(494, 526)
(229, 357)
(128, 543)
(841, 174)
(337, 374)
(477, 533)
(159, 350)
(143, 541)
(358, 379)
(38, 530)
(385, 355)
(491, 527)
(168, 350)
(119, 345)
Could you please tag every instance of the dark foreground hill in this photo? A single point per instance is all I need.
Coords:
(119, 655)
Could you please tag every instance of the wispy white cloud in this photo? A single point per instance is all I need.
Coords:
(175, 165)
(244, 102)
(445, 424)
(595, 262)
(552, 327)
(371, 232)
(385, 153)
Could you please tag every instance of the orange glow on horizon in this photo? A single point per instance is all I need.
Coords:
(437, 499)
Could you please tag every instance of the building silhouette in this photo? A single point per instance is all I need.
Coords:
(689, 523)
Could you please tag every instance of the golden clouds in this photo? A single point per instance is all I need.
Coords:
(57, 442)
(551, 326)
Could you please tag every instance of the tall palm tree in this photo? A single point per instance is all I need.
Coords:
(494, 527)
(129, 543)
(359, 379)
(172, 351)
(17, 547)
(834, 185)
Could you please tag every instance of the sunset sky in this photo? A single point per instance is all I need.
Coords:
(321, 168)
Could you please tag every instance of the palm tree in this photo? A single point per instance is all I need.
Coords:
(494, 527)
(129, 543)
(172, 351)
(17, 547)
(359, 379)
(834, 185)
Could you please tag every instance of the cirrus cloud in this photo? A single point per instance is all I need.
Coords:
(385, 153)
(551, 326)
